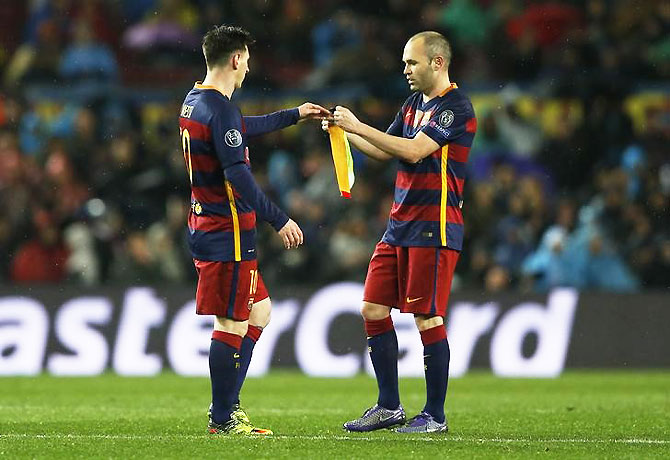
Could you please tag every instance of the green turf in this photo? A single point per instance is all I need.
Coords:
(586, 414)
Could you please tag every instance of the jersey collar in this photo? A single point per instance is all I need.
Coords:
(449, 88)
(199, 85)
(424, 105)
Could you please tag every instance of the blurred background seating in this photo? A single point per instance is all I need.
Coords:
(569, 177)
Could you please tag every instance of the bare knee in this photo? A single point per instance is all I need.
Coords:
(374, 311)
(261, 313)
(427, 322)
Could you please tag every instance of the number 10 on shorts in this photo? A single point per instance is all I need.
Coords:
(253, 285)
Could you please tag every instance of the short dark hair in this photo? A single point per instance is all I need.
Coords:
(436, 45)
(221, 41)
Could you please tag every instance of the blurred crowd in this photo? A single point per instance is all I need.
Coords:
(569, 177)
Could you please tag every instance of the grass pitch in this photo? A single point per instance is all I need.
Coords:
(585, 414)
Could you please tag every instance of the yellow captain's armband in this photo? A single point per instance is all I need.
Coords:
(344, 164)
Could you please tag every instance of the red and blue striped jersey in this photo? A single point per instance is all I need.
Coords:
(428, 195)
(222, 219)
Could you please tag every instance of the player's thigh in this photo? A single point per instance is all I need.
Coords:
(262, 305)
(226, 289)
(426, 276)
(230, 325)
(261, 313)
(424, 322)
(381, 282)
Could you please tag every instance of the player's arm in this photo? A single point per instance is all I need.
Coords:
(367, 148)
(227, 139)
(239, 175)
(364, 146)
(410, 150)
(244, 183)
(361, 144)
(262, 124)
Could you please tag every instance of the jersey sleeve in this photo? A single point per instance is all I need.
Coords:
(395, 129)
(240, 176)
(227, 136)
(261, 124)
(447, 124)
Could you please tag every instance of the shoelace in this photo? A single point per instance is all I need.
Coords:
(367, 411)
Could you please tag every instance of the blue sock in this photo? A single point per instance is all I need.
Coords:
(383, 348)
(224, 365)
(246, 350)
(436, 367)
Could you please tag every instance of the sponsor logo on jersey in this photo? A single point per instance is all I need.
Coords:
(436, 126)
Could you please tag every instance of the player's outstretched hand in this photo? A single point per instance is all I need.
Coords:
(309, 111)
(291, 234)
(345, 119)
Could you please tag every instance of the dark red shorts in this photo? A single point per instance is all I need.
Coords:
(413, 279)
(228, 289)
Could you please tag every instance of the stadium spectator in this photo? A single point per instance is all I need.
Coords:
(520, 136)
(37, 59)
(83, 266)
(41, 259)
(548, 265)
(169, 28)
(338, 33)
(86, 59)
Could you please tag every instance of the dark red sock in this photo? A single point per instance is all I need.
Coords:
(375, 327)
(254, 332)
(233, 340)
(433, 335)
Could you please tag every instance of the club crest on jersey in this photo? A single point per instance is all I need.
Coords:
(233, 138)
(446, 118)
